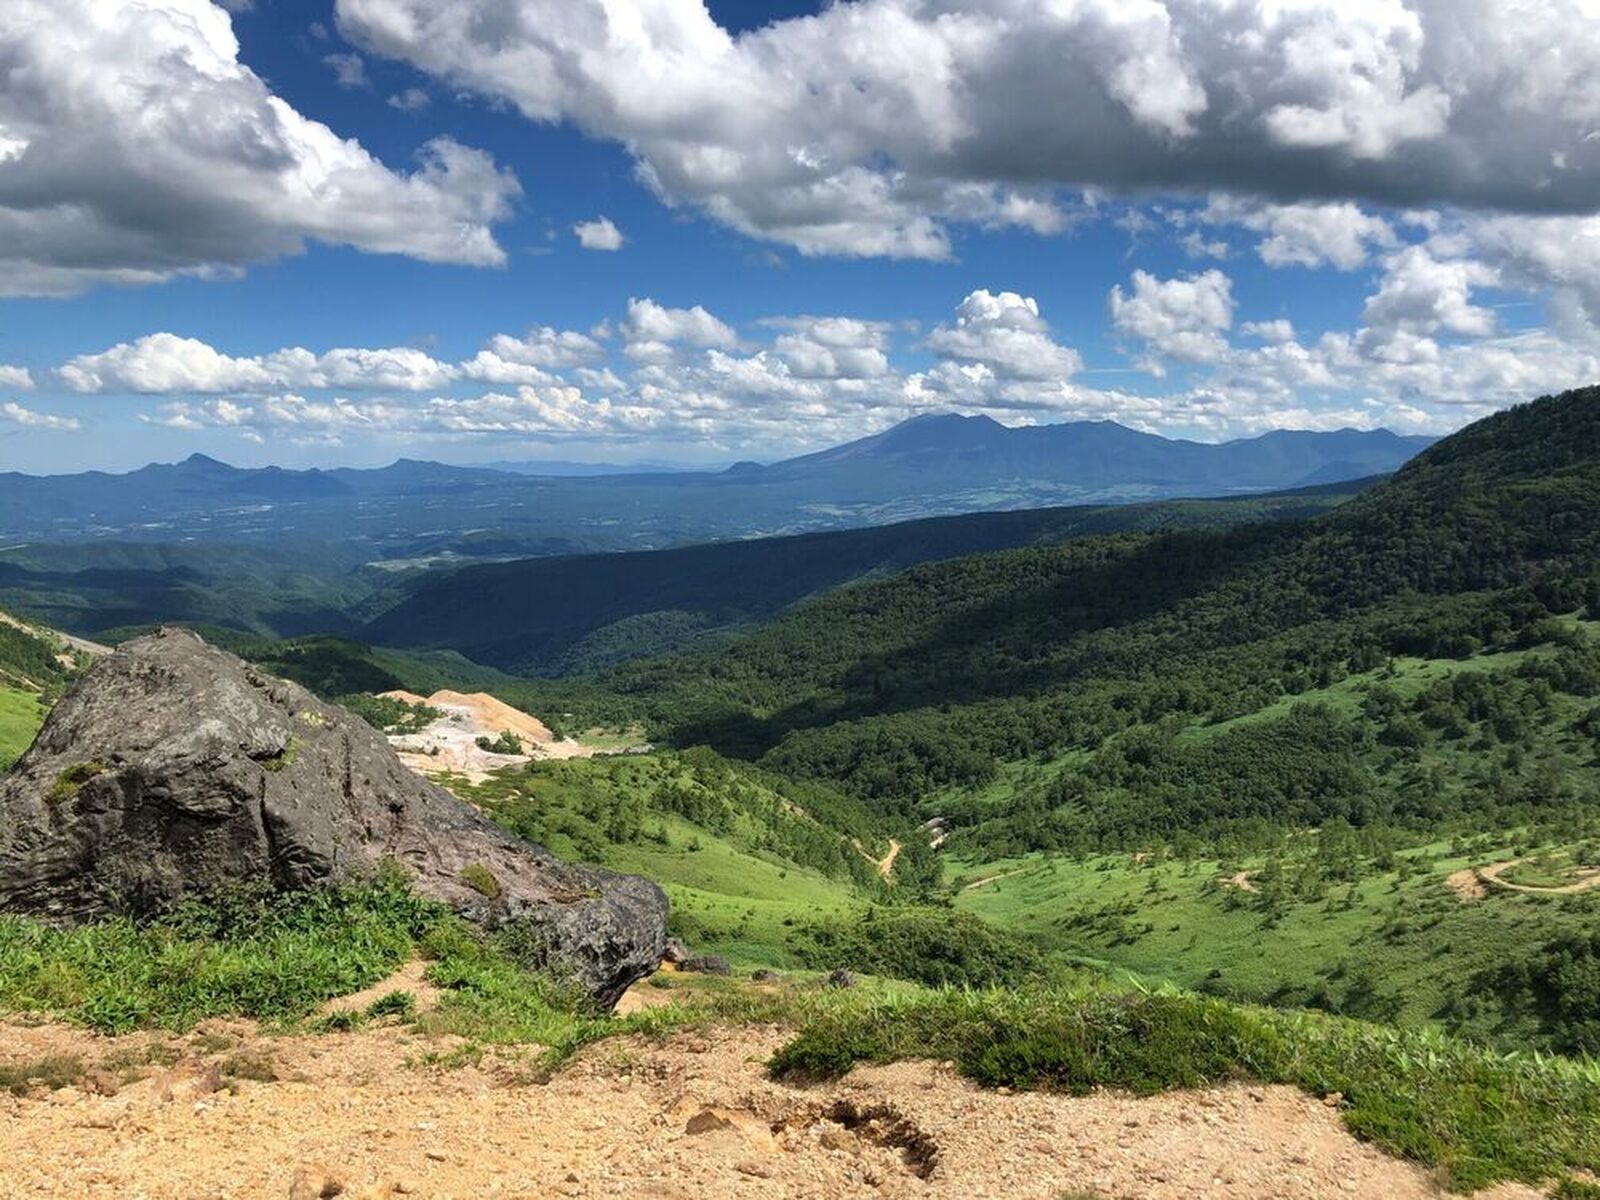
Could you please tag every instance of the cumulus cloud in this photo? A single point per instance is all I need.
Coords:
(651, 330)
(528, 360)
(1004, 334)
(165, 362)
(16, 377)
(599, 234)
(135, 146)
(27, 417)
(1306, 235)
(832, 347)
(1183, 318)
(1420, 296)
(812, 131)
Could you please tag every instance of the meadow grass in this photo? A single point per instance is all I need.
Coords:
(21, 715)
(1395, 945)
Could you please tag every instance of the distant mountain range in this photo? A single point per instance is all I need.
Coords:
(928, 466)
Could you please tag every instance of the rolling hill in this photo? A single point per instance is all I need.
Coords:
(570, 614)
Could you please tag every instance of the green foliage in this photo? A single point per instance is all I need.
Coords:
(506, 743)
(389, 714)
(1124, 647)
(931, 946)
(242, 954)
(67, 783)
(481, 880)
(597, 610)
(393, 1004)
(21, 715)
(29, 660)
(1556, 985)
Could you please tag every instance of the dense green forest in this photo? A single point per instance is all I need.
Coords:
(568, 615)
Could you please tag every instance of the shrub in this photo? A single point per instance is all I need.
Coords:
(932, 946)
(481, 880)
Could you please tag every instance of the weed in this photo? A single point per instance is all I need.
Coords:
(481, 880)
(67, 783)
(54, 1071)
(393, 1004)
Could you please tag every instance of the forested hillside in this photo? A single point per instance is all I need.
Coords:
(570, 614)
(933, 676)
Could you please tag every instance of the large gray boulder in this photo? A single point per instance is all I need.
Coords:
(172, 768)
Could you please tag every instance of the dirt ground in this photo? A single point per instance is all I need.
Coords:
(363, 1114)
(449, 744)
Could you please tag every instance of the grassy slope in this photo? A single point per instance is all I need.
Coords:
(21, 714)
(741, 860)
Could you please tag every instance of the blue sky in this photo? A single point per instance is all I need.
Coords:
(828, 221)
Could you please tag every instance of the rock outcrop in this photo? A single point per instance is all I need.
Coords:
(172, 768)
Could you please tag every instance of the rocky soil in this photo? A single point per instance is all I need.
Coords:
(229, 1113)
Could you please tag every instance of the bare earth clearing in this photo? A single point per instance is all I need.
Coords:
(450, 744)
(358, 1115)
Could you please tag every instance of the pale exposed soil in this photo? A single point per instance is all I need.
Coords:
(410, 978)
(988, 879)
(1466, 885)
(1241, 880)
(885, 865)
(449, 744)
(1473, 883)
(694, 1118)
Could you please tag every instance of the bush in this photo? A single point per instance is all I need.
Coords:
(932, 946)
(506, 743)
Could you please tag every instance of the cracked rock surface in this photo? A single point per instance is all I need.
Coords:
(173, 768)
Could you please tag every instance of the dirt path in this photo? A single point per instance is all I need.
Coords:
(885, 865)
(1588, 880)
(692, 1118)
(988, 879)
(1473, 883)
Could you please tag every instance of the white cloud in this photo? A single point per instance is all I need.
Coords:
(1183, 318)
(411, 100)
(832, 347)
(651, 328)
(165, 362)
(1421, 295)
(599, 234)
(1004, 333)
(1306, 235)
(528, 360)
(868, 127)
(27, 417)
(349, 70)
(140, 147)
(16, 377)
